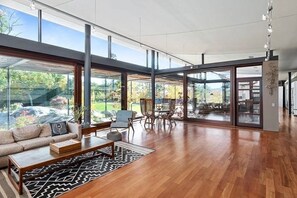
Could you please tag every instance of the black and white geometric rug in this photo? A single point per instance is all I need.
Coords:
(58, 182)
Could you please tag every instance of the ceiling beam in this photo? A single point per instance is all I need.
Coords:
(244, 62)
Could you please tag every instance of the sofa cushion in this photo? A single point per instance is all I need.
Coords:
(8, 149)
(35, 143)
(26, 132)
(73, 127)
(59, 128)
(45, 130)
(6, 137)
(61, 138)
(119, 125)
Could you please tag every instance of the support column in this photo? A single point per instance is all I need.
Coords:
(40, 26)
(77, 86)
(202, 58)
(194, 99)
(284, 95)
(153, 80)
(105, 95)
(8, 97)
(87, 76)
(124, 91)
(109, 47)
(290, 93)
(233, 100)
(158, 60)
(185, 96)
(68, 94)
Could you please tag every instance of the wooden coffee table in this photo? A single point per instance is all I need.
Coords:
(37, 158)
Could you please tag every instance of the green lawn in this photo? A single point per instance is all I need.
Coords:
(100, 106)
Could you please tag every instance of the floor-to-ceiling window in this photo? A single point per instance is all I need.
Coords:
(170, 87)
(23, 24)
(139, 86)
(34, 92)
(209, 95)
(105, 95)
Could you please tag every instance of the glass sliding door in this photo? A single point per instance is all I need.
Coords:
(249, 96)
(249, 99)
(209, 95)
(105, 95)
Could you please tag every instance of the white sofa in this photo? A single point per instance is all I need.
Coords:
(30, 137)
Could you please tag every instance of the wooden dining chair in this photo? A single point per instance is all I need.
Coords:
(149, 112)
(168, 116)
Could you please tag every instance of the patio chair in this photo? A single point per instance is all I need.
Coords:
(124, 120)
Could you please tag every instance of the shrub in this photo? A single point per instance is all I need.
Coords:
(58, 102)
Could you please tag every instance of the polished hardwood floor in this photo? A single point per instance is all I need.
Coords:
(194, 160)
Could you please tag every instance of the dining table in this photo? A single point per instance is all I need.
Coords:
(159, 114)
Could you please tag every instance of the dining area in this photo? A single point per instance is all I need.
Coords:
(160, 114)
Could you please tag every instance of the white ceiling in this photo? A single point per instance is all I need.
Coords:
(223, 30)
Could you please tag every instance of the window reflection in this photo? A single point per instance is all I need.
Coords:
(209, 95)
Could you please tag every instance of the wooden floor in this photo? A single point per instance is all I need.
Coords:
(206, 161)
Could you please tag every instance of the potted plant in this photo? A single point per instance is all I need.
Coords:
(77, 113)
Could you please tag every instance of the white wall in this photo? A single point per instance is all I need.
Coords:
(270, 99)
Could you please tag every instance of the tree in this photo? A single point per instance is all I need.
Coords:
(22, 83)
(8, 21)
(113, 56)
(3, 79)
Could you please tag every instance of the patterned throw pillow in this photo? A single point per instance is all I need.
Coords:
(59, 128)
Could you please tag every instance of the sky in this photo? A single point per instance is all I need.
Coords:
(55, 34)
